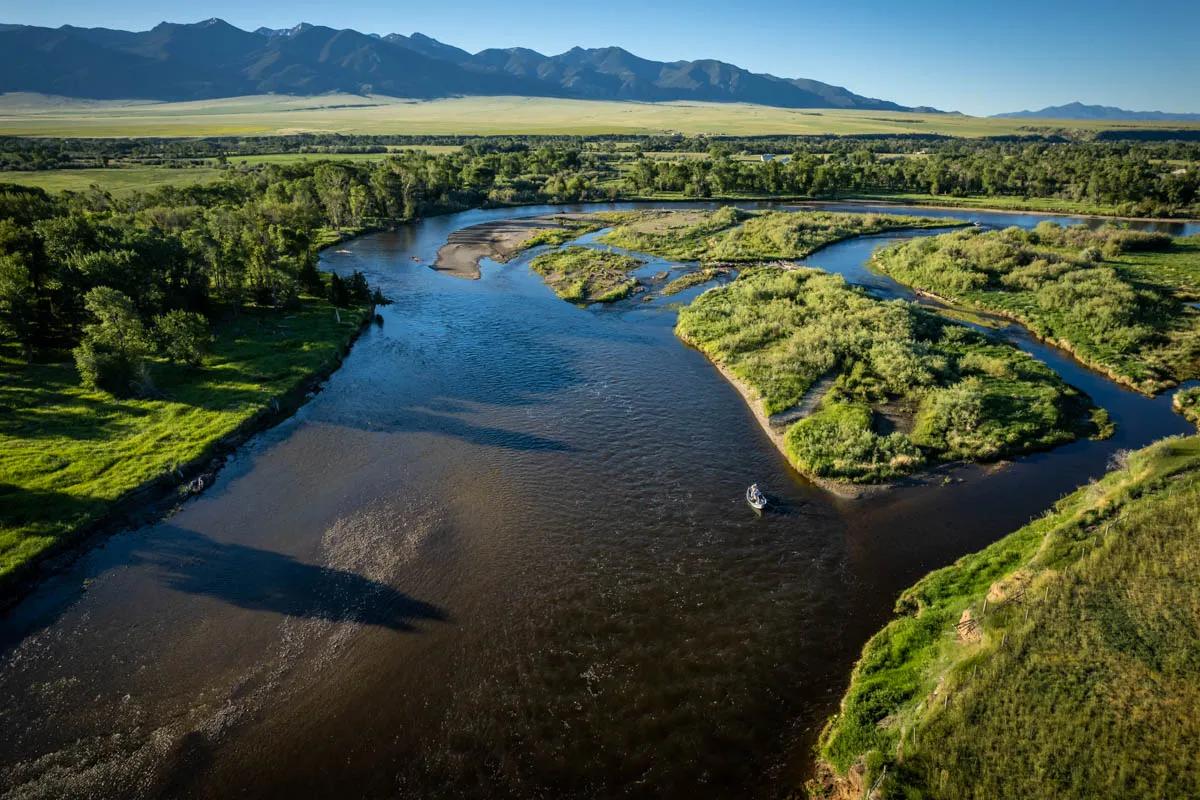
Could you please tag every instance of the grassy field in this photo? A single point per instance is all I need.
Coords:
(1061, 661)
(731, 235)
(1116, 299)
(292, 158)
(1048, 205)
(584, 275)
(69, 455)
(118, 180)
(36, 115)
(879, 388)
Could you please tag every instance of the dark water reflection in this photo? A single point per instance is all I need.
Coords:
(504, 554)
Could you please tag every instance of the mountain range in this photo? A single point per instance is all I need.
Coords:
(212, 59)
(1080, 111)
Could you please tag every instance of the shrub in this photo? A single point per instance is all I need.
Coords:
(182, 336)
(111, 355)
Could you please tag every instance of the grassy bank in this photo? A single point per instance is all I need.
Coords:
(69, 457)
(1115, 298)
(585, 275)
(879, 388)
(1043, 205)
(1061, 661)
(690, 279)
(732, 235)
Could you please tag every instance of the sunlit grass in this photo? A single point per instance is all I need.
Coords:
(1081, 677)
(67, 454)
(35, 115)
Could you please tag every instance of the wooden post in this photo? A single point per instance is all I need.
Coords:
(981, 613)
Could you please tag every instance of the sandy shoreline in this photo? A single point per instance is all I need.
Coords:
(847, 491)
(499, 240)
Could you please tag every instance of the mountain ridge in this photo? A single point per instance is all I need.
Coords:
(213, 59)
(1078, 110)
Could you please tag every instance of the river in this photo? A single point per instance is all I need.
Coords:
(503, 553)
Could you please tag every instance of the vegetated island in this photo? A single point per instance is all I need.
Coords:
(586, 275)
(732, 235)
(718, 239)
(857, 390)
(1120, 300)
(1060, 661)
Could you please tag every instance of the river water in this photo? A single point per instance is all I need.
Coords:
(504, 553)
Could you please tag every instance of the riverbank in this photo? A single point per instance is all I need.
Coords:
(1058, 660)
(997, 204)
(78, 463)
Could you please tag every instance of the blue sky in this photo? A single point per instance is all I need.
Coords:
(980, 58)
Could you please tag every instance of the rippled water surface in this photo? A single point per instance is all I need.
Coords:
(503, 553)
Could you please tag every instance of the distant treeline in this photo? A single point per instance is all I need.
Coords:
(1150, 179)
(52, 153)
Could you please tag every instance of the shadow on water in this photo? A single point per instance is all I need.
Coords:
(262, 580)
(241, 576)
(414, 420)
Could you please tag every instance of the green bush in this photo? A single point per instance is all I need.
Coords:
(183, 336)
(111, 354)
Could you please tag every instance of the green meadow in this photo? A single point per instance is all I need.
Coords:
(69, 455)
(36, 115)
(1058, 662)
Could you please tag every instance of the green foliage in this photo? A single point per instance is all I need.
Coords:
(1113, 296)
(586, 275)
(569, 230)
(111, 356)
(838, 441)
(731, 235)
(182, 336)
(888, 367)
(69, 455)
(690, 279)
(1080, 679)
(1187, 403)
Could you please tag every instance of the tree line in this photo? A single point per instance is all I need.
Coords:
(116, 278)
(1137, 179)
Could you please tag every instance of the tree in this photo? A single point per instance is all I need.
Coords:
(357, 289)
(338, 294)
(112, 354)
(183, 336)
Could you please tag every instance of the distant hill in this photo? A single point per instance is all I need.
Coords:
(214, 59)
(1081, 111)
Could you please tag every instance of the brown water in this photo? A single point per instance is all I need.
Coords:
(504, 553)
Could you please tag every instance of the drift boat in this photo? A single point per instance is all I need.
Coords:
(755, 497)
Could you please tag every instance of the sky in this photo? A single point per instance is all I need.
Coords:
(979, 58)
